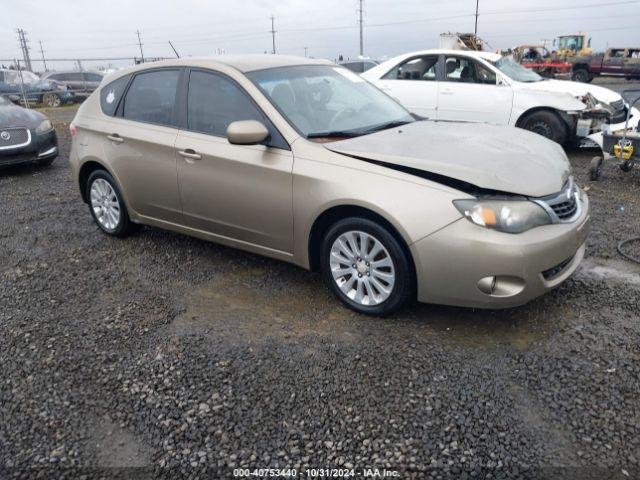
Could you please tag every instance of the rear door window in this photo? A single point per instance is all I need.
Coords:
(110, 95)
(151, 97)
(421, 68)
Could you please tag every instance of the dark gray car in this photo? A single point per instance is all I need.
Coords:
(82, 83)
(26, 136)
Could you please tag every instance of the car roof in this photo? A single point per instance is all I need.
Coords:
(243, 63)
(490, 56)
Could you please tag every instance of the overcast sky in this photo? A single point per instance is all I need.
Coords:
(328, 28)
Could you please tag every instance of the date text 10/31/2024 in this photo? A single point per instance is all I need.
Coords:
(315, 473)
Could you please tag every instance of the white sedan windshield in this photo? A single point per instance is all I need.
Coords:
(325, 100)
(516, 72)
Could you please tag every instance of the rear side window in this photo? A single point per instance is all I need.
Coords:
(110, 95)
(215, 102)
(151, 97)
(93, 77)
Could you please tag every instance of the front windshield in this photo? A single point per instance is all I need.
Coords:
(13, 77)
(326, 100)
(516, 72)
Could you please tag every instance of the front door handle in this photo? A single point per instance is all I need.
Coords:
(114, 137)
(190, 154)
(446, 91)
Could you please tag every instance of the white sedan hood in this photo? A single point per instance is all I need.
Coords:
(575, 89)
(491, 157)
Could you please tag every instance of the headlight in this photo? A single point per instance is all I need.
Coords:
(509, 216)
(45, 126)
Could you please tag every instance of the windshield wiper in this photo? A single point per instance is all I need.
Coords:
(335, 133)
(385, 126)
(357, 133)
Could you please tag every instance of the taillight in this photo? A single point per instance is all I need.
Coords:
(73, 130)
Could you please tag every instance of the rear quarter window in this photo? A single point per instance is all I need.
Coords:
(110, 95)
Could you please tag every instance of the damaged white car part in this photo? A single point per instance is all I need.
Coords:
(472, 86)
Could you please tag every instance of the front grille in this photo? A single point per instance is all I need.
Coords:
(563, 206)
(13, 137)
(619, 116)
(565, 210)
(618, 104)
(557, 270)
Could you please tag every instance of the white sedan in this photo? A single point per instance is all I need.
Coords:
(472, 86)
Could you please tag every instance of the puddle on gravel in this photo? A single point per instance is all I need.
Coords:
(618, 271)
(117, 448)
(240, 308)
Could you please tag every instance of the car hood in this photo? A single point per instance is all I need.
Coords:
(575, 89)
(15, 116)
(491, 157)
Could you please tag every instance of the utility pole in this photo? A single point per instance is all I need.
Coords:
(140, 45)
(305, 51)
(273, 34)
(475, 32)
(44, 62)
(24, 46)
(174, 49)
(360, 16)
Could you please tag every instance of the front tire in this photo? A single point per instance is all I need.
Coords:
(52, 100)
(366, 267)
(107, 205)
(547, 124)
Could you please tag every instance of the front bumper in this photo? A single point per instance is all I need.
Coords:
(634, 121)
(453, 264)
(42, 147)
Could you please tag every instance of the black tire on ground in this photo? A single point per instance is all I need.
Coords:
(51, 100)
(595, 169)
(581, 75)
(404, 287)
(125, 226)
(547, 124)
(626, 166)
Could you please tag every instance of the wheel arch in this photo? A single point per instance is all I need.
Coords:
(86, 169)
(569, 121)
(336, 213)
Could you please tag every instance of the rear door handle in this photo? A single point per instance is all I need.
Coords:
(114, 137)
(190, 154)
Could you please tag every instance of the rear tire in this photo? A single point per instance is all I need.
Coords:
(107, 206)
(366, 267)
(581, 75)
(547, 124)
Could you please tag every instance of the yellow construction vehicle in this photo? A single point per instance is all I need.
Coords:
(567, 46)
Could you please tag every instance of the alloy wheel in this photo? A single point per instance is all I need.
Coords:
(105, 204)
(362, 268)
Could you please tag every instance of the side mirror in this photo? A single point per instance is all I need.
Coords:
(246, 132)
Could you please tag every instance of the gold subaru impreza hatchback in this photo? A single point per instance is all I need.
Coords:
(304, 161)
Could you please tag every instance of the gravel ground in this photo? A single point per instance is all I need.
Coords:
(164, 356)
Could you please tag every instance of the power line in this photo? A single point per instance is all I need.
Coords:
(273, 34)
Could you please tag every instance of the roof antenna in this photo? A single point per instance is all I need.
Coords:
(174, 49)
